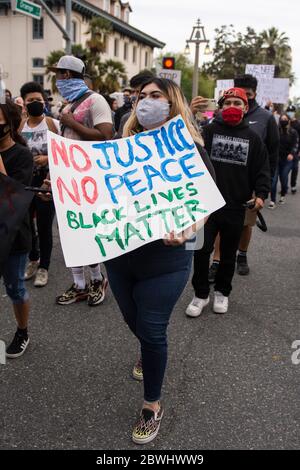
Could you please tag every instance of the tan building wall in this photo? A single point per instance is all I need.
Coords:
(20, 47)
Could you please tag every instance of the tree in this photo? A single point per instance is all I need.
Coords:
(183, 63)
(104, 75)
(232, 51)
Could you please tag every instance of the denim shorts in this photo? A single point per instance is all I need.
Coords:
(13, 275)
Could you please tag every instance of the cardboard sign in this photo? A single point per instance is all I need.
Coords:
(174, 75)
(115, 196)
(222, 85)
(260, 70)
(275, 89)
(14, 203)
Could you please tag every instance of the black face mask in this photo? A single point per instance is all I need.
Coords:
(251, 102)
(35, 108)
(284, 124)
(4, 130)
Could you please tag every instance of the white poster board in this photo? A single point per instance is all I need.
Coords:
(222, 85)
(115, 196)
(260, 70)
(274, 89)
(174, 75)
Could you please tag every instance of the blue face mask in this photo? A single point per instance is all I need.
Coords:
(71, 89)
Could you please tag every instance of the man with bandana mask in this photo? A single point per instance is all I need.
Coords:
(86, 117)
(239, 174)
(295, 123)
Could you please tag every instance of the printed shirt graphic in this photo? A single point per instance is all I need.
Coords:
(36, 137)
(229, 149)
(92, 111)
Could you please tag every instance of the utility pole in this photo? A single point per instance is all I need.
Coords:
(67, 33)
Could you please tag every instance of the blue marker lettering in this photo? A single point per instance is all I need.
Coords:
(186, 169)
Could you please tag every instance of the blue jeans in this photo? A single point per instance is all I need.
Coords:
(13, 275)
(282, 171)
(147, 283)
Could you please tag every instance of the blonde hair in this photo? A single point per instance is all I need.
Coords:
(178, 105)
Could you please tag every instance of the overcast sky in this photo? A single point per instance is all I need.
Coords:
(172, 21)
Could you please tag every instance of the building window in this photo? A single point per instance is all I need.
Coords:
(116, 48)
(125, 51)
(37, 62)
(117, 10)
(74, 32)
(146, 59)
(106, 5)
(38, 28)
(127, 15)
(134, 54)
(39, 79)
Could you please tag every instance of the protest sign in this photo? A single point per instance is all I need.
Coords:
(115, 196)
(260, 70)
(14, 203)
(222, 85)
(274, 89)
(174, 75)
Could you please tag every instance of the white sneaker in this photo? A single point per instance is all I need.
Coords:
(41, 278)
(272, 205)
(282, 200)
(31, 269)
(220, 303)
(196, 306)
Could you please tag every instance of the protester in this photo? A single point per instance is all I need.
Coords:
(241, 164)
(135, 83)
(86, 117)
(288, 150)
(16, 162)
(127, 106)
(264, 124)
(148, 281)
(295, 123)
(34, 130)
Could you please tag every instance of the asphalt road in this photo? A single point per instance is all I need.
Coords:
(230, 383)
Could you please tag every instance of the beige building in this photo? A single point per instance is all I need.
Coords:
(26, 42)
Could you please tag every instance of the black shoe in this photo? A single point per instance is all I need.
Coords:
(17, 347)
(213, 272)
(294, 190)
(242, 265)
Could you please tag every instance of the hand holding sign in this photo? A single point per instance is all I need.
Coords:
(115, 196)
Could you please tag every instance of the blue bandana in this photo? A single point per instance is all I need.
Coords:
(71, 89)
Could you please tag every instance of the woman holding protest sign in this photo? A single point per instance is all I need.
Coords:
(148, 281)
(16, 162)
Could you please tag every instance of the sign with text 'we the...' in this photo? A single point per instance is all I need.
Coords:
(115, 196)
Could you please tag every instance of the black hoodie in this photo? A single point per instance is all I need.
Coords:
(264, 124)
(240, 160)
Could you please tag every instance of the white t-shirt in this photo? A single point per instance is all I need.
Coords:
(36, 137)
(92, 111)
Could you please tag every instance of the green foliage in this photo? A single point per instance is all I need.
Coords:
(232, 51)
(183, 63)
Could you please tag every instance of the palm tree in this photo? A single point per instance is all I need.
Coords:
(277, 51)
(98, 30)
(113, 71)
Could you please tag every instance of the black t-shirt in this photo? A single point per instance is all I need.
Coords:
(18, 164)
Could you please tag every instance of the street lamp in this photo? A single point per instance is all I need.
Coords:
(197, 37)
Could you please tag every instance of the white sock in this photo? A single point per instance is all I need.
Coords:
(95, 273)
(78, 276)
